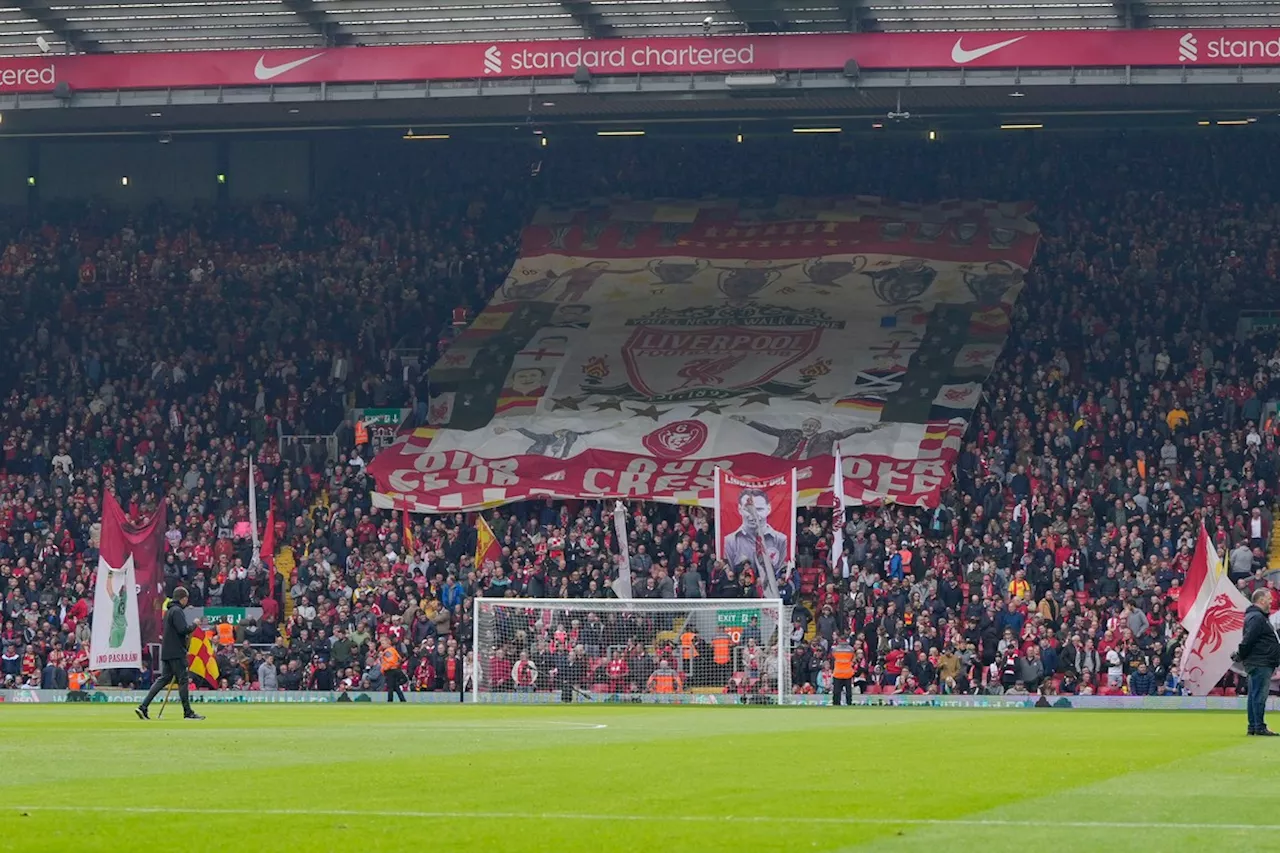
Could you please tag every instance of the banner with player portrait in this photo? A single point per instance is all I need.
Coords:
(756, 525)
(126, 598)
(637, 347)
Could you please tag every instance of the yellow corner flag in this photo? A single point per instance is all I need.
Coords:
(200, 657)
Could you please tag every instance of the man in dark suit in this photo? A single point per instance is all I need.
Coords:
(173, 656)
(1259, 654)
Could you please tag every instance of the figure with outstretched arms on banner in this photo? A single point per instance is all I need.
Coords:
(810, 441)
(558, 444)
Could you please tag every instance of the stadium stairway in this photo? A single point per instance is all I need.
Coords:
(811, 630)
(319, 505)
(672, 636)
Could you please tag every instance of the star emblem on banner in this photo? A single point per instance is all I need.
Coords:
(813, 398)
(570, 403)
(712, 408)
(649, 411)
(759, 397)
(615, 404)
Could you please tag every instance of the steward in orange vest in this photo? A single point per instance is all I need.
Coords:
(721, 647)
(664, 679)
(391, 671)
(688, 645)
(842, 671)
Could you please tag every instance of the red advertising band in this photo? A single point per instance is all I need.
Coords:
(670, 55)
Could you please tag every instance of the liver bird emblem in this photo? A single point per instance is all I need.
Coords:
(1220, 619)
(707, 371)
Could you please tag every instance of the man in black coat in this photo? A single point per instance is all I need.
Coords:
(1259, 654)
(173, 656)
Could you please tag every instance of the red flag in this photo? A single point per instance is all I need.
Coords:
(129, 558)
(406, 534)
(146, 543)
(1203, 564)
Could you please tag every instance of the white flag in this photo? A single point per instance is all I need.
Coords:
(115, 639)
(622, 584)
(1213, 636)
(838, 559)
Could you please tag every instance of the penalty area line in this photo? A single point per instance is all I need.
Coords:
(992, 823)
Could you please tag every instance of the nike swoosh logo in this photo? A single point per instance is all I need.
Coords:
(269, 72)
(960, 56)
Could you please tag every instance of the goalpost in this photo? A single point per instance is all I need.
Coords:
(672, 651)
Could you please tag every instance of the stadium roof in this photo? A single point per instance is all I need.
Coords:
(94, 26)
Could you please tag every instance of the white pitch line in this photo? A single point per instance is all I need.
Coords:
(660, 818)
(425, 726)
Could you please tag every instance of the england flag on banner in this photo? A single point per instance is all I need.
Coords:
(126, 594)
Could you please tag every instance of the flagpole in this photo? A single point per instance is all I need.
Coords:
(253, 512)
(838, 557)
(716, 517)
(791, 545)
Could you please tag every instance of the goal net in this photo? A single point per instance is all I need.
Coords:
(664, 651)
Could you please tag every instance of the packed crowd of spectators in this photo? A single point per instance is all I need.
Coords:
(153, 352)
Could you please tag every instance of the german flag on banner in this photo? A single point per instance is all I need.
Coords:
(200, 657)
(487, 547)
(866, 405)
(406, 533)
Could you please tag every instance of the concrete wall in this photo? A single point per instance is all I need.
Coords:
(269, 168)
(14, 162)
(181, 172)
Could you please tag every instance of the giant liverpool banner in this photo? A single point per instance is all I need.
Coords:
(635, 347)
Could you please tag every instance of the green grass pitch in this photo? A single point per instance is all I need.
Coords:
(602, 778)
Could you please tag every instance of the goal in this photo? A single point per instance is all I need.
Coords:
(675, 651)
